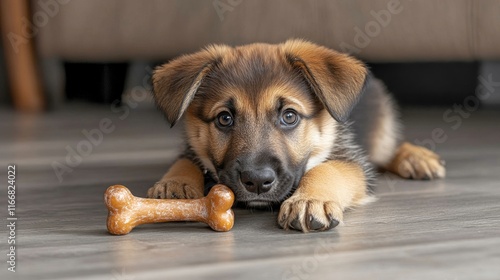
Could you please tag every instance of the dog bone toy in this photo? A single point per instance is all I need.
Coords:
(127, 211)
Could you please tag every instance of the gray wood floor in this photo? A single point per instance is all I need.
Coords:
(445, 229)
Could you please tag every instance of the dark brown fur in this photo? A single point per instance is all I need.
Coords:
(236, 102)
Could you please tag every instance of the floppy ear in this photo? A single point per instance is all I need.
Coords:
(176, 83)
(337, 79)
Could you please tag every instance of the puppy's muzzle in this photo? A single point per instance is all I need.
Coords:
(258, 180)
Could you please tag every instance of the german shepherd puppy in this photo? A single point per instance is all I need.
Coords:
(293, 123)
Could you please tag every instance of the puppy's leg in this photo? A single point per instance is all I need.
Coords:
(415, 162)
(183, 180)
(323, 194)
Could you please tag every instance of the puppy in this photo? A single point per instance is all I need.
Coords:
(293, 123)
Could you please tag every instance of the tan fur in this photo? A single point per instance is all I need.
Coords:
(199, 133)
(324, 192)
(384, 140)
(416, 162)
(322, 132)
(183, 180)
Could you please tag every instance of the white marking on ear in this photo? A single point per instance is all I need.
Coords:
(192, 91)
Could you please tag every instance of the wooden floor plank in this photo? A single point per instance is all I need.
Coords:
(444, 229)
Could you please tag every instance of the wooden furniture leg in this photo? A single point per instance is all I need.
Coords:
(24, 78)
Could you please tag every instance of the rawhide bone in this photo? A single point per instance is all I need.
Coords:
(127, 211)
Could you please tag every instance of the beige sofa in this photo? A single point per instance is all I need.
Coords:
(124, 30)
(375, 30)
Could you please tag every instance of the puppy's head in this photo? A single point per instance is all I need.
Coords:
(259, 116)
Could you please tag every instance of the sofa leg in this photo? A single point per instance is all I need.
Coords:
(24, 77)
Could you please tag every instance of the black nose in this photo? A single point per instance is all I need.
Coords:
(259, 180)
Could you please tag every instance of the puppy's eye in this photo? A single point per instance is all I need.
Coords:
(224, 119)
(289, 118)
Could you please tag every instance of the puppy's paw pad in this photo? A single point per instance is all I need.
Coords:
(173, 189)
(309, 214)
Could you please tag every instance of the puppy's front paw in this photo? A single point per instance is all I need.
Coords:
(305, 214)
(174, 189)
